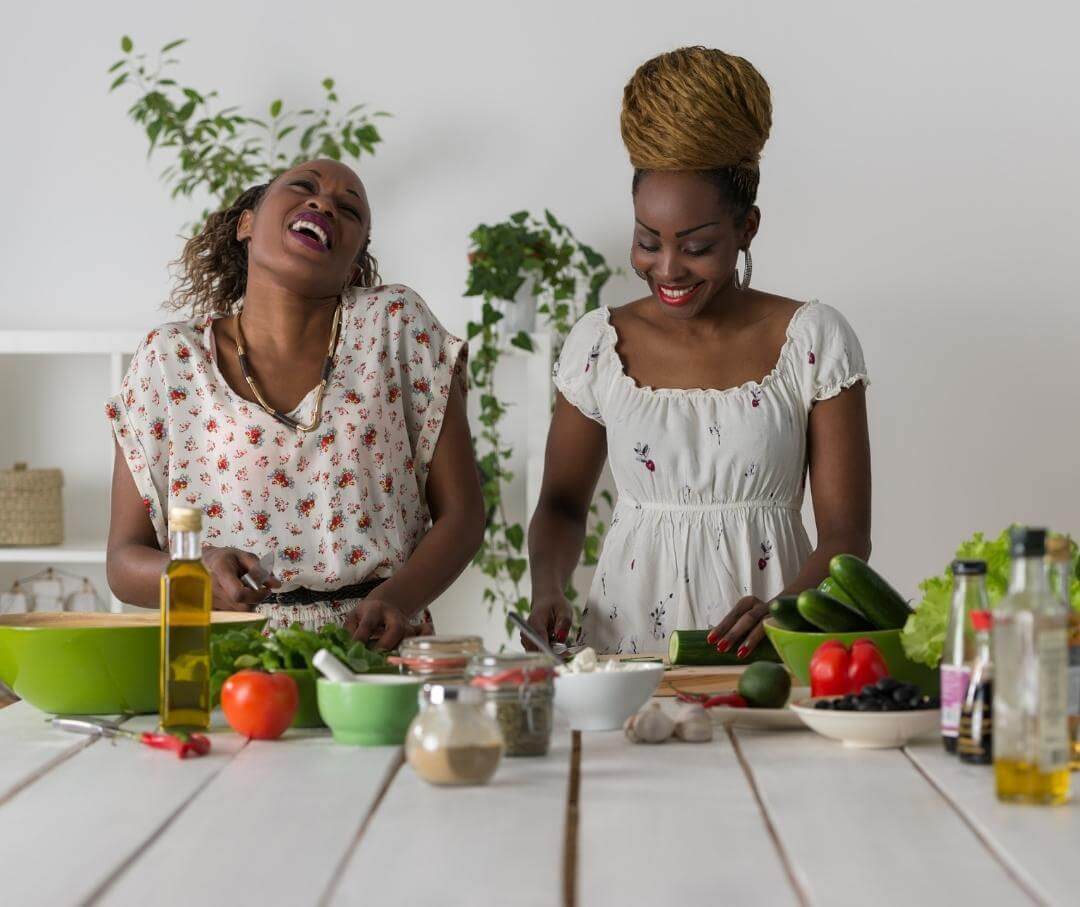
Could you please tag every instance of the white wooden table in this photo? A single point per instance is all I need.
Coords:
(762, 818)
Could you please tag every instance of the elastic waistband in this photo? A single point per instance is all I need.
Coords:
(718, 507)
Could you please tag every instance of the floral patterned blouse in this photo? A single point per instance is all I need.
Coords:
(340, 505)
(710, 482)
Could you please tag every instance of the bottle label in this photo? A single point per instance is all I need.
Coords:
(954, 684)
(1053, 745)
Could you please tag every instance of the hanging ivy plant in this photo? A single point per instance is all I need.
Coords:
(567, 276)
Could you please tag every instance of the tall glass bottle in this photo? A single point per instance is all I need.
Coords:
(976, 741)
(185, 626)
(969, 594)
(1031, 751)
(1059, 563)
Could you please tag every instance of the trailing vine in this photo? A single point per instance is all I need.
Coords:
(567, 276)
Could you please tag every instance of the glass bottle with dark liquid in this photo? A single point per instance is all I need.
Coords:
(975, 742)
(185, 627)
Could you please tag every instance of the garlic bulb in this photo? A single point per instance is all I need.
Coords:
(651, 725)
(692, 724)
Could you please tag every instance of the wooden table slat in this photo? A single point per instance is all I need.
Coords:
(63, 836)
(1041, 845)
(290, 807)
(862, 826)
(468, 846)
(29, 748)
(674, 823)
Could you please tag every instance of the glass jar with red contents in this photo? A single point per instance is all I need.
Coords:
(437, 656)
(519, 693)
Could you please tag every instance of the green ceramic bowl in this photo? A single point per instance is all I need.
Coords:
(796, 649)
(90, 664)
(307, 712)
(375, 711)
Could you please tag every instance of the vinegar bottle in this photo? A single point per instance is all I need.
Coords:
(185, 627)
(969, 594)
(1031, 746)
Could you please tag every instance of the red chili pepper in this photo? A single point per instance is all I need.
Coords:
(183, 745)
(867, 665)
(731, 700)
(834, 671)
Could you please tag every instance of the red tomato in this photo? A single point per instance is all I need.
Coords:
(259, 705)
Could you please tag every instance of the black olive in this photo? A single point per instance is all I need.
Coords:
(823, 704)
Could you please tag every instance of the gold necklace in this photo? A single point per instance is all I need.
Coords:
(328, 368)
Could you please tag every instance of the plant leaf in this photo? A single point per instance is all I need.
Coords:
(126, 44)
(522, 341)
(173, 44)
(275, 109)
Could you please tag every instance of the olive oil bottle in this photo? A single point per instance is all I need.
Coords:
(1031, 745)
(185, 626)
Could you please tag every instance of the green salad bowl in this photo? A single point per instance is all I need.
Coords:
(91, 664)
(797, 648)
(373, 711)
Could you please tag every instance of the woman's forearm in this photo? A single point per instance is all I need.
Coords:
(816, 567)
(444, 552)
(134, 573)
(556, 537)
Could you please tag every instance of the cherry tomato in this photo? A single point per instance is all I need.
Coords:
(259, 705)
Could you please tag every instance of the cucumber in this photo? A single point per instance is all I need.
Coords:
(830, 615)
(785, 612)
(831, 587)
(690, 647)
(873, 596)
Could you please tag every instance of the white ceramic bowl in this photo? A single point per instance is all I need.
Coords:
(871, 730)
(603, 700)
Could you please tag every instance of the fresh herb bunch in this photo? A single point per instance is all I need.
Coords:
(220, 151)
(567, 276)
(291, 649)
(924, 632)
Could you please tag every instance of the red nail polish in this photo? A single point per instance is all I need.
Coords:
(723, 646)
(711, 639)
(743, 652)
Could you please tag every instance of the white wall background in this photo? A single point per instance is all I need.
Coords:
(921, 176)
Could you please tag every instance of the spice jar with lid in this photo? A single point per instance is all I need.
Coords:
(519, 693)
(445, 656)
(452, 741)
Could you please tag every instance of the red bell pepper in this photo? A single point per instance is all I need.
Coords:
(867, 665)
(835, 671)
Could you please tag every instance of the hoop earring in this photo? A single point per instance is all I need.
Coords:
(639, 274)
(744, 284)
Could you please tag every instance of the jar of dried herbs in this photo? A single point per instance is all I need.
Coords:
(519, 693)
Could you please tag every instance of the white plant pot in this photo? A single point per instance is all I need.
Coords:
(518, 315)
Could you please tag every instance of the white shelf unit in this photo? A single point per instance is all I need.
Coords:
(118, 346)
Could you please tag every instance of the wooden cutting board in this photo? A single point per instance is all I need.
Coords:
(686, 679)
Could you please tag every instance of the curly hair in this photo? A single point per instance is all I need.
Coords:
(699, 109)
(213, 266)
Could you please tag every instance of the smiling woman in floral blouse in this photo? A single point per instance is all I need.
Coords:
(364, 490)
(709, 400)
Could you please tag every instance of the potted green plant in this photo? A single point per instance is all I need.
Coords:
(522, 268)
(220, 151)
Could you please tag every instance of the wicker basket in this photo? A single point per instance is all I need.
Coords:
(31, 507)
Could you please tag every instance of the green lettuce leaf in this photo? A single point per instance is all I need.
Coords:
(924, 633)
